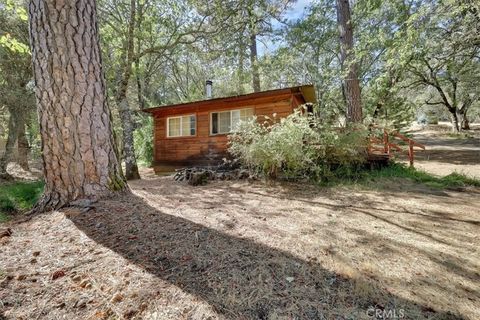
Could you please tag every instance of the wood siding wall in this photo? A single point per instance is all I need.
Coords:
(204, 148)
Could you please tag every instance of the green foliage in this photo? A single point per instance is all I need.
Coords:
(17, 99)
(16, 8)
(298, 146)
(143, 141)
(13, 15)
(399, 171)
(394, 42)
(3, 217)
(452, 180)
(444, 55)
(311, 47)
(19, 196)
(13, 44)
(6, 204)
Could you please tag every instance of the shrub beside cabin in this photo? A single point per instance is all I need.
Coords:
(195, 133)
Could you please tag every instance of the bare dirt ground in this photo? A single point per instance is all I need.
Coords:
(247, 250)
(447, 153)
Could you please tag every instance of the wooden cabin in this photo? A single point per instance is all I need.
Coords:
(195, 133)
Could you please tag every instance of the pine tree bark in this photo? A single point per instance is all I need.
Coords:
(347, 60)
(131, 167)
(78, 149)
(241, 66)
(254, 63)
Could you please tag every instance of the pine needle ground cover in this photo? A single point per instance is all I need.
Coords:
(240, 250)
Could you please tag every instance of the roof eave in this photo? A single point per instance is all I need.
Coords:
(308, 92)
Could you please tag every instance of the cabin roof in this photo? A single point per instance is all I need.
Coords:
(306, 91)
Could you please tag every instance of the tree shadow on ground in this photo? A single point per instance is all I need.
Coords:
(455, 157)
(448, 150)
(238, 277)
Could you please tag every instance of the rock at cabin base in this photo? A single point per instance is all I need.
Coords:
(198, 178)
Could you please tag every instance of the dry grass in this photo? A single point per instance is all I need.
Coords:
(239, 250)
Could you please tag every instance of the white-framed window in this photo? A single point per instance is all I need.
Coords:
(224, 121)
(182, 126)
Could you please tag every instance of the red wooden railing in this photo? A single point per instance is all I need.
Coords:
(389, 144)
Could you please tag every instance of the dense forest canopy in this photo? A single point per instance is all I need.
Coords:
(413, 59)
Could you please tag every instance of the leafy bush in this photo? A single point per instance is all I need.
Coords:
(298, 146)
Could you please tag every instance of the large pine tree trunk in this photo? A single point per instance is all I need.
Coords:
(254, 63)
(78, 148)
(349, 66)
(131, 168)
(241, 66)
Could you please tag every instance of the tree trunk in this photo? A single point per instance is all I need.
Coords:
(462, 113)
(463, 120)
(240, 70)
(454, 120)
(254, 63)
(10, 145)
(131, 168)
(347, 60)
(23, 146)
(140, 86)
(78, 149)
(465, 123)
(138, 74)
(378, 108)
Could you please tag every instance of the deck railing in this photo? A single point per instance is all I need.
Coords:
(390, 144)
